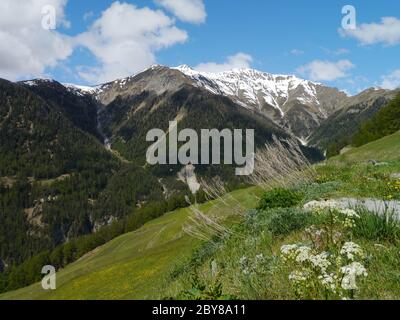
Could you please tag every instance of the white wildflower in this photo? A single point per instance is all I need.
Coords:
(352, 251)
(288, 248)
(328, 281)
(289, 251)
(320, 261)
(303, 254)
(322, 205)
(351, 272)
(298, 276)
(349, 223)
(350, 213)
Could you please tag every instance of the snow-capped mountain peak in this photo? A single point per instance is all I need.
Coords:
(293, 103)
(81, 89)
(255, 89)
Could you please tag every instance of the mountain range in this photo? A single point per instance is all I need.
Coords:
(301, 107)
(73, 158)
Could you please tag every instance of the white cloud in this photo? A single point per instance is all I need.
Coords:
(319, 70)
(296, 52)
(391, 81)
(386, 32)
(26, 49)
(238, 61)
(192, 11)
(125, 40)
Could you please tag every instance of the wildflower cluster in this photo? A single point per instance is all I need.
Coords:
(352, 251)
(343, 216)
(320, 207)
(307, 256)
(349, 218)
(396, 185)
(327, 265)
(351, 272)
(393, 189)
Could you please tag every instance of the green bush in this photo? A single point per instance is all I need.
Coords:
(282, 222)
(280, 198)
(203, 291)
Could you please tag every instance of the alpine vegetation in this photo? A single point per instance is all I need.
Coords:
(329, 264)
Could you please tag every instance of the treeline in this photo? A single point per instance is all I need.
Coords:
(385, 122)
(38, 141)
(40, 215)
(35, 217)
(29, 272)
(16, 242)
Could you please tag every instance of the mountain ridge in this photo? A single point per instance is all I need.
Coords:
(302, 107)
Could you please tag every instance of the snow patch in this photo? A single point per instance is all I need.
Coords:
(255, 88)
(81, 90)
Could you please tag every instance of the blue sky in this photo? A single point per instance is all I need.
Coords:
(286, 36)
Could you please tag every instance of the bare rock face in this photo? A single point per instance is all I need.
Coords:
(156, 80)
(297, 104)
(301, 107)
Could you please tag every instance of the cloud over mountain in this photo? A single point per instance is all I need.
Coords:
(391, 81)
(238, 61)
(125, 39)
(319, 70)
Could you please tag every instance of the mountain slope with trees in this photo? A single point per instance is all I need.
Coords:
(337, 130)
(383, 123)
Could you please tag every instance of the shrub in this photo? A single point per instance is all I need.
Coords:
(204, 290)
(280, 198)
(284, 221)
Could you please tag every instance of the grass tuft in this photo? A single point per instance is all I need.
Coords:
(377, 227)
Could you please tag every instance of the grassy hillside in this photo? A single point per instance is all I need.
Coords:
(134, 265)
(251, 262)
(387, 148)
(160, 260)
